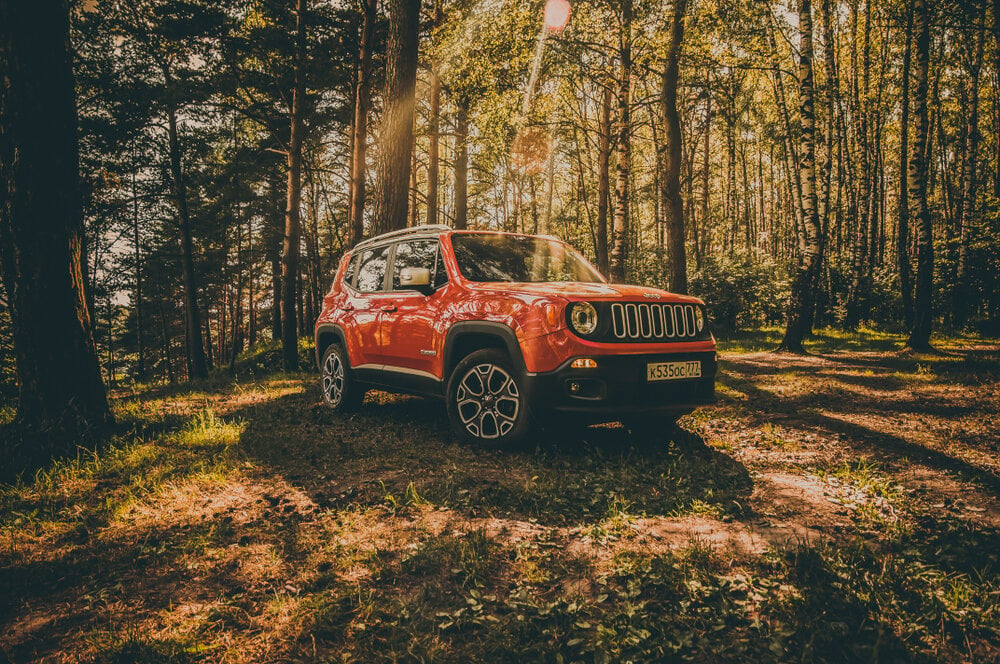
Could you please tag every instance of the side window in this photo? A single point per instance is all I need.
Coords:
(352, 269)
(419, 253)
(371, 270)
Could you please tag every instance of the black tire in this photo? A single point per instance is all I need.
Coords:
(486, 401)
(340, 391)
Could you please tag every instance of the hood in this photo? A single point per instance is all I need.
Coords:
(583, 291)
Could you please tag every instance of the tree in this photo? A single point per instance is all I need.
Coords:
(920, 333)
(434, 128)
(290, 245)
(620, 227)
(396, 128)
(41, 223)
(673, 205)
(960, 296)
(801, 298)
(903, 211)
(362, 107)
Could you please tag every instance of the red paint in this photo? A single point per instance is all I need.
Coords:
(407, 329)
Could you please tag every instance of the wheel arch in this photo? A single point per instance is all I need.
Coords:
(469, 336)
(327, 335)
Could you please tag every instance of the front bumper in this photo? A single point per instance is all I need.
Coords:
(618, 387)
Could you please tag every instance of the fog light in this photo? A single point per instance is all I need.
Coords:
(583, 363)
(574, 387)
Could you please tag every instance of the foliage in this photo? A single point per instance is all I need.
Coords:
(743, 291)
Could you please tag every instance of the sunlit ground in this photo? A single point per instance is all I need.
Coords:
(841, 507)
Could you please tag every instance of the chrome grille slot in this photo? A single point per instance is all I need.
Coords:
(642, 322)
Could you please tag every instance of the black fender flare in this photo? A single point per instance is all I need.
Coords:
(327, 330)
(499, 331)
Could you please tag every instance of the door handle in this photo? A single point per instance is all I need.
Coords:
(388, 308)
(347, 307)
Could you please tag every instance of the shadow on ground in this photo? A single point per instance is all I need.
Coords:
(401, 449)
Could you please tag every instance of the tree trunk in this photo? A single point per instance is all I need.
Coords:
(41, 222)
(903, 212)
(140, 351)
(706, 171)
(673, 205)
(996, 70)
(433, 130)
(960, 300)
(196, 347)
(620, 229)
(603, 181)
(920, 333)
(290, 244)
(362, 107)
(462, 164)
(790, 155)
(800, 300)
(396, 131)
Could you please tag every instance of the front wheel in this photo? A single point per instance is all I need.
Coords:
(340, 391)
(486, 402)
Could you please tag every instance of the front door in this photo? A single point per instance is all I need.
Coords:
(411, 334)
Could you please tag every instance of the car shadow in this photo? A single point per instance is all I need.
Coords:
(399, 452)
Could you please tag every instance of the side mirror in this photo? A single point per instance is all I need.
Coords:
(416, 278)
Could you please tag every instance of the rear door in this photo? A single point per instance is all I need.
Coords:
(412, 338)
(369, 296)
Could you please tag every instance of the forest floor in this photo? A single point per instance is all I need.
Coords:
(839, 507)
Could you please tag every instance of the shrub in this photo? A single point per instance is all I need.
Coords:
(741, 291)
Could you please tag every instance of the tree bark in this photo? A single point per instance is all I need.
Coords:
(41, 222)
(292, 236)
(673, 205)
(462, 164)
(198, 364)
(800, 300)
(960, 298)
(620, 228)
(920, 333)
(434, 129)
(140, 351)
(396, 131)
(903, 211)
(603, 181)
(362, 108)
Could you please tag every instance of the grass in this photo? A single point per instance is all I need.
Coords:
(239, 520)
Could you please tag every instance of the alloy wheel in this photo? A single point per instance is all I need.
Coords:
(488, 401)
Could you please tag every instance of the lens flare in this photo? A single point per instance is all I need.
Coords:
(556, 15)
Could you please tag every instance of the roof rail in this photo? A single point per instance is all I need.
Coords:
(413, 230)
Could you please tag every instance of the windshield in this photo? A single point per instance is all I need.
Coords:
(519, 258)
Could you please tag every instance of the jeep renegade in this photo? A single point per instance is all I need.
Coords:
(509, 330)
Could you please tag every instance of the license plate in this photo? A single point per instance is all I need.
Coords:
(673, 370)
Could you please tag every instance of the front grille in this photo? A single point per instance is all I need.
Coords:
(654, 322)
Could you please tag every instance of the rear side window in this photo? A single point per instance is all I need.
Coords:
(352, 269)
(419, 253)
(371, 270)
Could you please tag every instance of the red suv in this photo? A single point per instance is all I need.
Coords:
(509, 329)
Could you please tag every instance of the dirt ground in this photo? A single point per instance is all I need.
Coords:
(843, 506)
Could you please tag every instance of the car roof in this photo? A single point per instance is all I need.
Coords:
(432, 231)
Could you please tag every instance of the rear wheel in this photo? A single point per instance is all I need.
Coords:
(486, 403)
(340, 391)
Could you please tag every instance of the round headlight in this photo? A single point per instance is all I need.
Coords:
(699, 319)
(583, 317)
